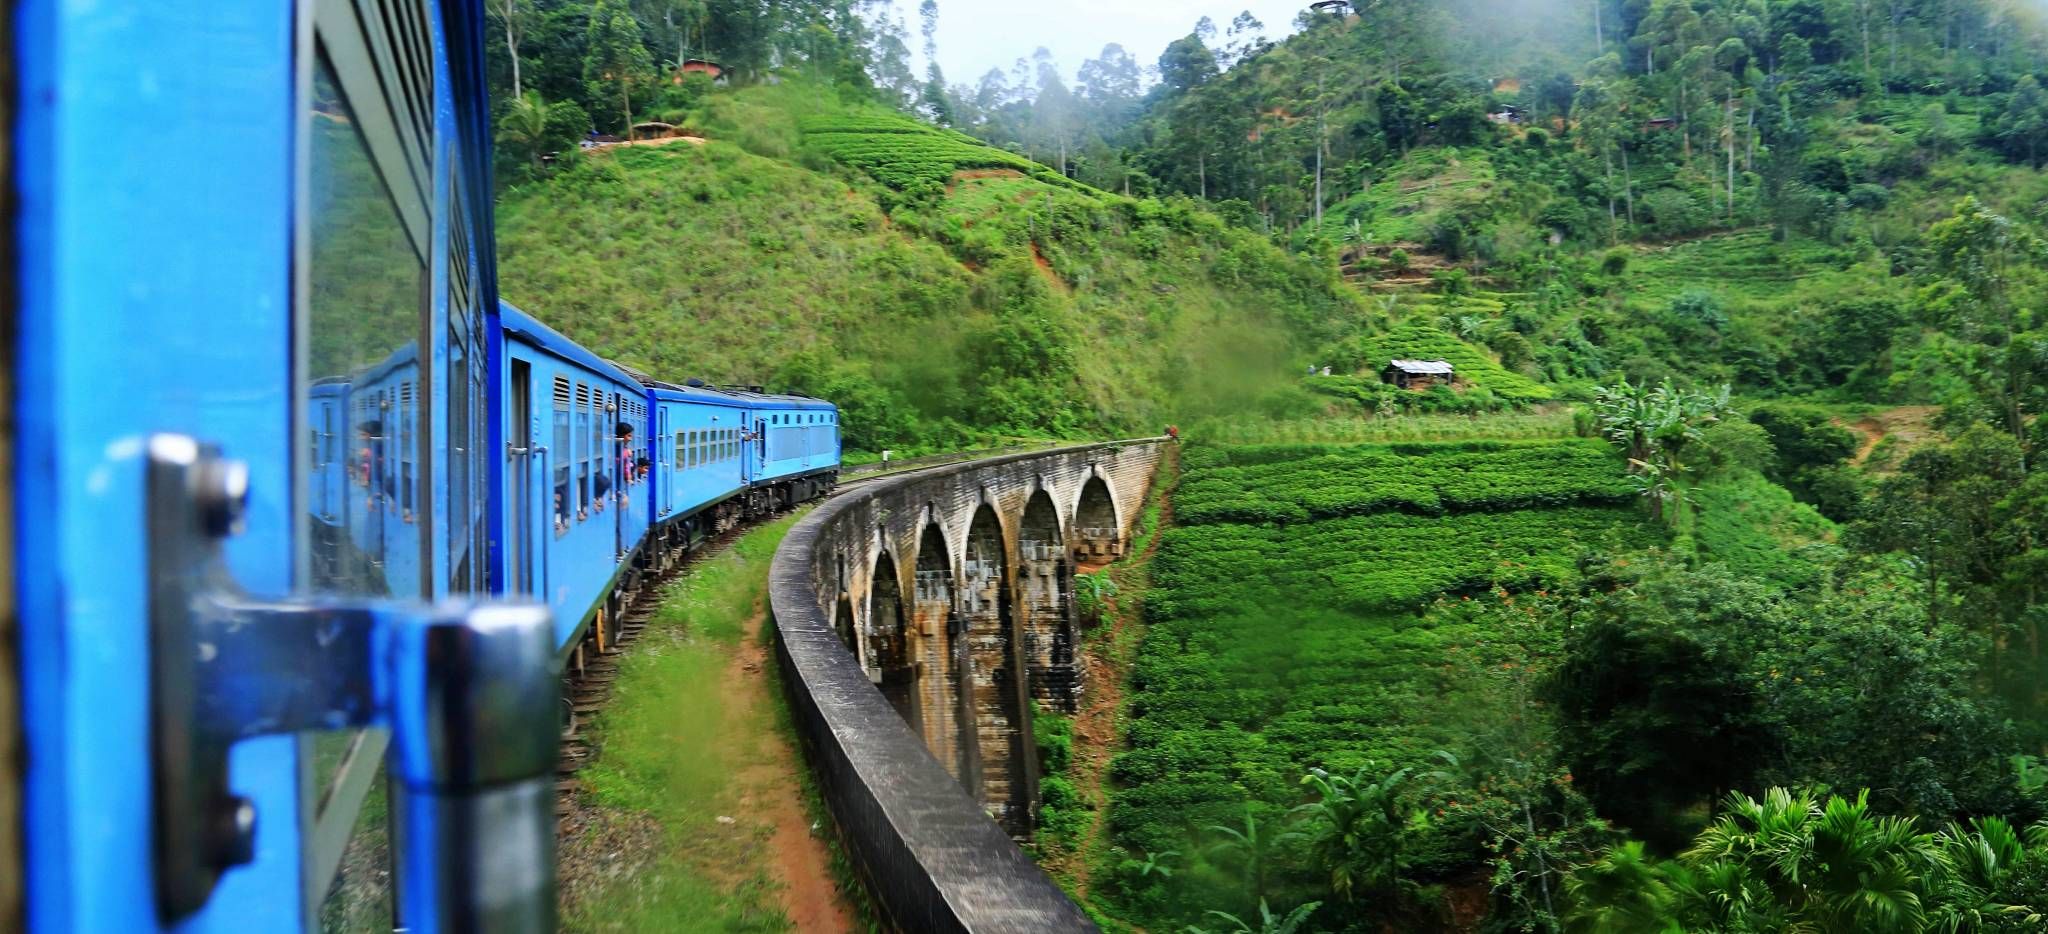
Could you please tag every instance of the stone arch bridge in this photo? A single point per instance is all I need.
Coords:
(919, 617)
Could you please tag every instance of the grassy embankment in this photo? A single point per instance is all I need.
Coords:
(698, 814)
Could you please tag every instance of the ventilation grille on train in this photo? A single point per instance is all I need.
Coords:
(458, 257)
(561, 392)
(398, 39)
(582, 395)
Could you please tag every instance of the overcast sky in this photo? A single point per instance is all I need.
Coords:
(976, 35)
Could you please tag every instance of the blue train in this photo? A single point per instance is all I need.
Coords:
(610, 475)
(306, 525)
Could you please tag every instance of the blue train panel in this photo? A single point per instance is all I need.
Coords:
(380, 427)
(278, 315)
(575, 512)
(794, 436)
(701, 441)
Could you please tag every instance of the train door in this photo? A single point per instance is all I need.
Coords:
(664, 482)
(523, 495)
(615, 462)
(206, 703)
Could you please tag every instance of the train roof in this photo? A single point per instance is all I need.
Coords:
(552, 341)
(780, 400)
(704, 394)
(749, 396)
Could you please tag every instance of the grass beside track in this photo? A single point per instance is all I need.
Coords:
(677, 840)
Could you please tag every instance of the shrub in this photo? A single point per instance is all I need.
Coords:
(1700, 309)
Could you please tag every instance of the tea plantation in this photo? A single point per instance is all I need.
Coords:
(1285, 624)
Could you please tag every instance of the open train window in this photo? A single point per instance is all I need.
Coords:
(560, 455)
(580, 450)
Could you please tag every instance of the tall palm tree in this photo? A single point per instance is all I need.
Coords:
(1269, 923)
(1624, 892)
(1976, 859)
(1834, 868)
(1253, 845)
(525, 124)
(1356, 826)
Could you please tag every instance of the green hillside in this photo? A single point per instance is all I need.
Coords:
(932, 285)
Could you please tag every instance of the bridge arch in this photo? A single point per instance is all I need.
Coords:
(934, 621)
(1098, 522)
(1048, 626)
(843, 623)
(891, 653)
(991, 685)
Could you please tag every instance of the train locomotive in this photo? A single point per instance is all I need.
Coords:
(305, 523)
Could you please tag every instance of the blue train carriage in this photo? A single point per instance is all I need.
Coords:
(365, 482)
(794, 456)
(699, 436)
(250, 413)
(575, 492)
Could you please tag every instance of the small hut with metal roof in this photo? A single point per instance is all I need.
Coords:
(1418, 374)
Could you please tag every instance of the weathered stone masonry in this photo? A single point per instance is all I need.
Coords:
(918, 618)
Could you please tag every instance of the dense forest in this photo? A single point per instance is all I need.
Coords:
(1705, 596)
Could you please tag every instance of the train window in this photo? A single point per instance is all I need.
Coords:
(362, 314)
(580, 450)
(560, 454)
(675, 451)
(406, 403)
(459, 428)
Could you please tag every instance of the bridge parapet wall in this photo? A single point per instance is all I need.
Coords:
(930, 819)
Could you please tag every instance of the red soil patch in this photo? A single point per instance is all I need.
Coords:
(1912, 424)
(1045, 267)
(797, 855)
(964, 174)
(663, 141)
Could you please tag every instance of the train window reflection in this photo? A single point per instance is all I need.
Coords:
(364, 300)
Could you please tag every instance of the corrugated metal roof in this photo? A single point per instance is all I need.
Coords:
(1426, 367)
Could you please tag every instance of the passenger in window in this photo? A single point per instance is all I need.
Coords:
(376, 475)
(645, 466)
(623, 453)
(366, 468)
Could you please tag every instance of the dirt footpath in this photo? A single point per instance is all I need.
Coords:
(772, 800)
